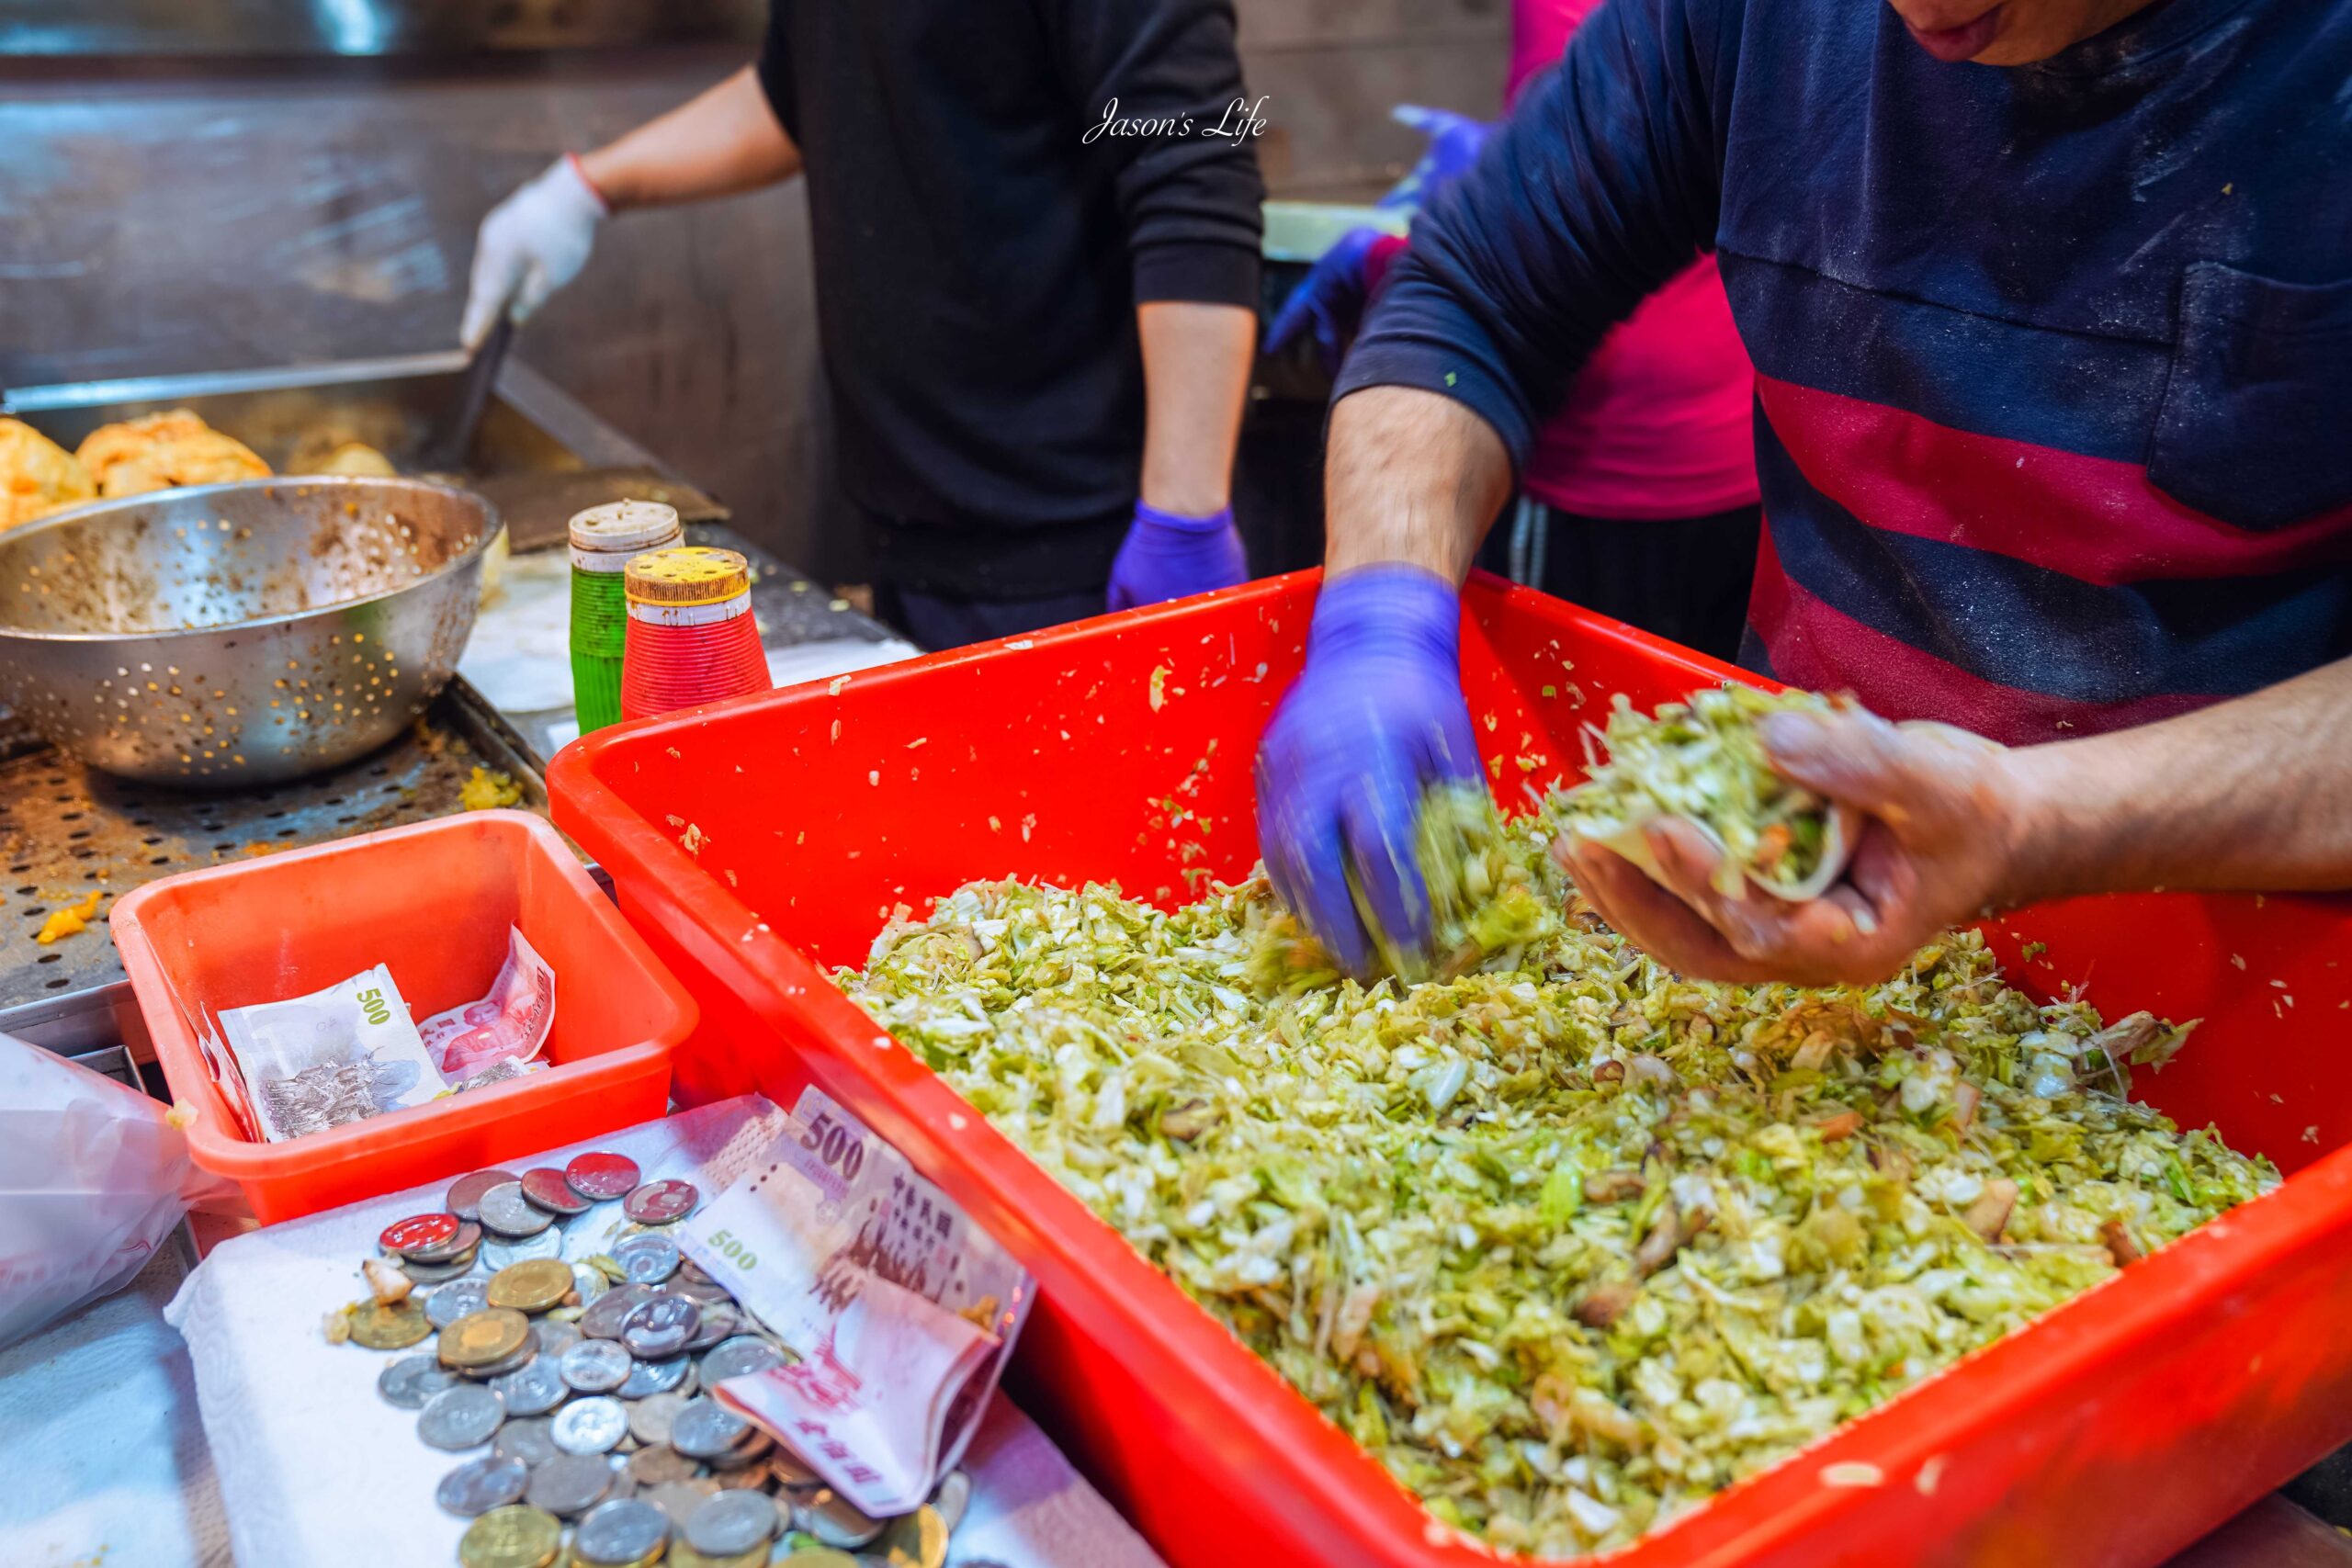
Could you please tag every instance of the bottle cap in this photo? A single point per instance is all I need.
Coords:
(625, 525)
(690, 574)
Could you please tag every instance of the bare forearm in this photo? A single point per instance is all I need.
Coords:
(1196, 374)
(725, 142)
(2249, 795)
(1411, 477)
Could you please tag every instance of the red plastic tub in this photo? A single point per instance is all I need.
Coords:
(760, 841)
(435, 901)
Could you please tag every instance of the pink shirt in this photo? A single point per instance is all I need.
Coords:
(1658, 424)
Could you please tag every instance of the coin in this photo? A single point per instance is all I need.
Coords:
(596, 1366)
(918, 1541)
(657, 1463)
(505, 1252)
(465, 1193)
(717, 1321)
(832, 1519)
(602, 1177)
(545, 1187)
(533, 1389)
(408, 1382)
(388, 1326)
(739, 1357)
(658, 1203)
(556, 1336)
(461, 1244)
(660, 1328)
(569, 1483)
(514, 1361)
(590, 1426)
(679, 1500)
(482, 1338)
(458, 1298)
(479, 1486)
(440, 1274)
(603, 1320)
(526, 1440)
(505, 1211)
(685, 1556)
(460, 1417)
(646, 1260)
(703, 1429)
(954, 1494)
(621, 1533)
(792, 1471)
(532, 1285)
(512, 1537)
(589, 1283)
(649, 1418)
(675, 1375)
(417, 1231)
(826, 1557)
(731, 1522)
(709, 1292)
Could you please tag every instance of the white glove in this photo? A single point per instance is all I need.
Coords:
(531, 244)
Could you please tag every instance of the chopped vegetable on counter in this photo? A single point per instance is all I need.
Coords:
(487, 789)
(70, 921)
(1569, 1243)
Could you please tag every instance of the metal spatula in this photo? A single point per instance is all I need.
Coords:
(444, 449)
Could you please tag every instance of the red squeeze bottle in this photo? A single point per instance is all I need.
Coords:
(690, 635)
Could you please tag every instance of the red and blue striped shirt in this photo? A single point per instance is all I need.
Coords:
(2054, 416)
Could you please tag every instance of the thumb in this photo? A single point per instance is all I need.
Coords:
(1901, 776)
(1420, 118)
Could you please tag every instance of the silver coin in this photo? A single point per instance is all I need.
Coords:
(739, 1357)
(704, 1428)
(556, 1336)
(731, 1522)
(749, 1449)
(460, 1417)
(657, 1463)
(626, 1529)
(526, 1440)
(720, 1321)
(604, 1320)
(522, 1355)
(534, 1389)
(954, 1494)
(649, 1418)
(454, 1299)
(645, 1259)
(479, 1486)
(589, 1283)
(507, 1213)
(500, 1252)
(408, 1382)
(675, 1375)
(570, 1484)
(590, 1426)
(833, 1521)
(660, 1328)
(679, 1500)
(438, 1274)
(596, 1366)
(709, 1292)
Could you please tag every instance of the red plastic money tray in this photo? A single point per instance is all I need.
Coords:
(760, 843)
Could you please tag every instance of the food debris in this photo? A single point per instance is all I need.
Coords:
(487, 789)
(1160, 673)
(70, 921)
(692, 840)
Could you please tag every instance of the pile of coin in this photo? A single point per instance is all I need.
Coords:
(571, 1346)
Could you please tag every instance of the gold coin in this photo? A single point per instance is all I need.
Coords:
(683, 1556)
(482, 1337)
(533, 1285)
(512, 1537)
(918, 1541)
(393, 1325)
(817, 1557)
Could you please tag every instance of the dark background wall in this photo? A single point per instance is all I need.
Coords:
(159, 219)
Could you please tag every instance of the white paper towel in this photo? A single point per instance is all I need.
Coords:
(313, 1463)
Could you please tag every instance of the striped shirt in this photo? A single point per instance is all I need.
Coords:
(2053, 414)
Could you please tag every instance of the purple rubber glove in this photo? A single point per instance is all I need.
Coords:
(1375, 718)
(1331, 298)
(1455, 143)
(1168, 557)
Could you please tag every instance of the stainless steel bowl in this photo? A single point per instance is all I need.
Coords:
(233, 634)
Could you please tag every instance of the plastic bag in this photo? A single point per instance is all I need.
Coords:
(93, 1180)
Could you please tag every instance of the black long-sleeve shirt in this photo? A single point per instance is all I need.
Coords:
(979, 259)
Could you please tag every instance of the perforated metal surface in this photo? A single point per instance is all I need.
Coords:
(66, 831)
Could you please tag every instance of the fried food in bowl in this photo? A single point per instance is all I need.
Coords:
(37, 475)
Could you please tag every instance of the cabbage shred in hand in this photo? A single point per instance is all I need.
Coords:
(1704, 759)
(1568, 1243)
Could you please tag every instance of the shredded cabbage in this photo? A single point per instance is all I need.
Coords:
(1569, 1243)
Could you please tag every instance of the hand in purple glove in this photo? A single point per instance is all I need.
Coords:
(1331, 298)
(1375, 718)
(1454, 143)
(1168, 557)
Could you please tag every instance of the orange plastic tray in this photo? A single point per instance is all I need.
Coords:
(2112, 1431)
(435, 901)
